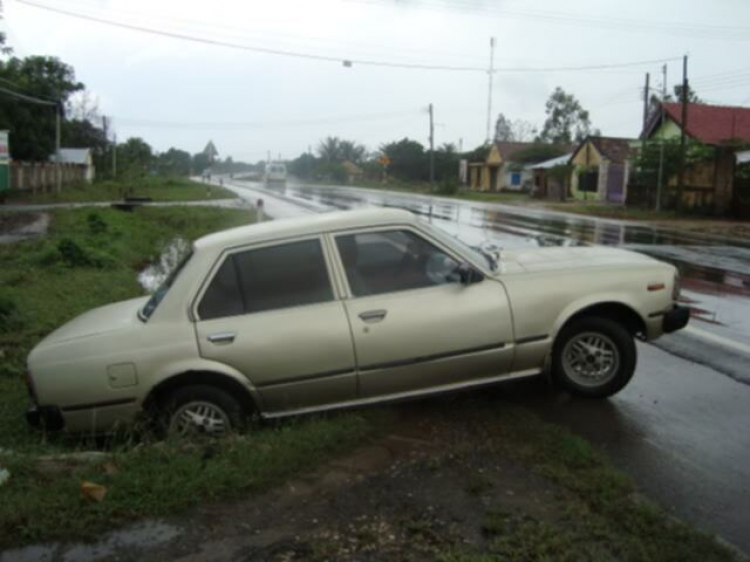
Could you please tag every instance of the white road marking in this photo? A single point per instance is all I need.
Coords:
(726, 342)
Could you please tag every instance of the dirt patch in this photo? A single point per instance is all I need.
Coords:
(15, 227)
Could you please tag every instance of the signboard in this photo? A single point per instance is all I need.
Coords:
(384, 160)
(4, 148)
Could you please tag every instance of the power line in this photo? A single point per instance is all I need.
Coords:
(628, 24)
(265, 35)
(234, 125)
(327, 58)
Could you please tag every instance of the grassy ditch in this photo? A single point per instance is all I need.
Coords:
(88, 259)
(157, 188)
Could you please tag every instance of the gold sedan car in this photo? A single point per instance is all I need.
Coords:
(345, 309)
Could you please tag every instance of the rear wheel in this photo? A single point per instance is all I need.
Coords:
(594, 357)
(202, 410)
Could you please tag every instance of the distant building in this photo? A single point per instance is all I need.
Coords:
(709, 184)
(78, 157)
(549, 183)
(506, 166)
(601, 168)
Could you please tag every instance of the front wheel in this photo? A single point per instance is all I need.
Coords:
(594, 357)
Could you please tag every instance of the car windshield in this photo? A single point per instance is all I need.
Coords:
(163, 288)
(473, 253)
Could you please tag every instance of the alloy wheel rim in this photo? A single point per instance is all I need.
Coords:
(199, 418)
(590, 359)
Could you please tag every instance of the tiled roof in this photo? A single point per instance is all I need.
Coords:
(712, 124)
(614, 149)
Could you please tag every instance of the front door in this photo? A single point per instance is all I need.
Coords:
(415, 325)
(271, 313)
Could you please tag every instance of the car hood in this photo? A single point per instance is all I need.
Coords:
(109, 318)
(578, 257)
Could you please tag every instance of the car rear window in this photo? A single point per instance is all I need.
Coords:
(266, 279)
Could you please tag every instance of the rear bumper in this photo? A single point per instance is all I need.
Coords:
(675, 319)
(45, 417)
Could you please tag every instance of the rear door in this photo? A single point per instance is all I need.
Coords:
(415, 325)
(271, 312)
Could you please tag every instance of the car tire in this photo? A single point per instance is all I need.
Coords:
(202, 409)
(593, 357)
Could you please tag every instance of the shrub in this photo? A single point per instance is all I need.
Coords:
(96, 223)
(7, 313)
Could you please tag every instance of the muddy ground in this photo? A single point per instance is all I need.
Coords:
(15, 227)
(439, 484)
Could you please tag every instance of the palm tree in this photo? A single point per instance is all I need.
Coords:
(352, 151)
(329, 149)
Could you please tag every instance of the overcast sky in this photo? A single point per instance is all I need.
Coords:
(179, 93)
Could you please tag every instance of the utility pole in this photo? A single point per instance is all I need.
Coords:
(660, 178)
(114, 157)
(58, 173)
(432, 151)
(490, 74)
(684, 121)
(645, 101)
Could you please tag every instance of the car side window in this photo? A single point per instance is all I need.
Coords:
(393, 260)
(223, 297)
(269, 278)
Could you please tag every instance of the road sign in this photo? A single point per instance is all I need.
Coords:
(384, 160)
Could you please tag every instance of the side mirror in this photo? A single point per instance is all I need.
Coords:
(468, 275)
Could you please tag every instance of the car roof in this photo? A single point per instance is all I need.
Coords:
(288, 228)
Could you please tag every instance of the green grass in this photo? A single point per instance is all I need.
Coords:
(506, 197)
(163, 479)
(603, 517)
(90, 258)
(619, 212)
(158, 188)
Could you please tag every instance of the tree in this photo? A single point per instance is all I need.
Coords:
(352, 151)
(303, 166)
(33, 125)
(174, 162)
(692, 97)
(329, 150)
(134, 156)
(408, 160)
(517, 130)
(649, 156)
(200, 162)
(503, 129)
(566, 120)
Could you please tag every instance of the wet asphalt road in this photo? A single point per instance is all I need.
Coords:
(681, 427)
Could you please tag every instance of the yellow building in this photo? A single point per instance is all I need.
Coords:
(601, 169)
(498, 171)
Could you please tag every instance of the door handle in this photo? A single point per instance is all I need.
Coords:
(222, 337)
(373, 315)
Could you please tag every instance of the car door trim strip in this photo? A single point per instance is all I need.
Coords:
(427, 358)
(118, 402)
(305, 378)
(531, 339)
